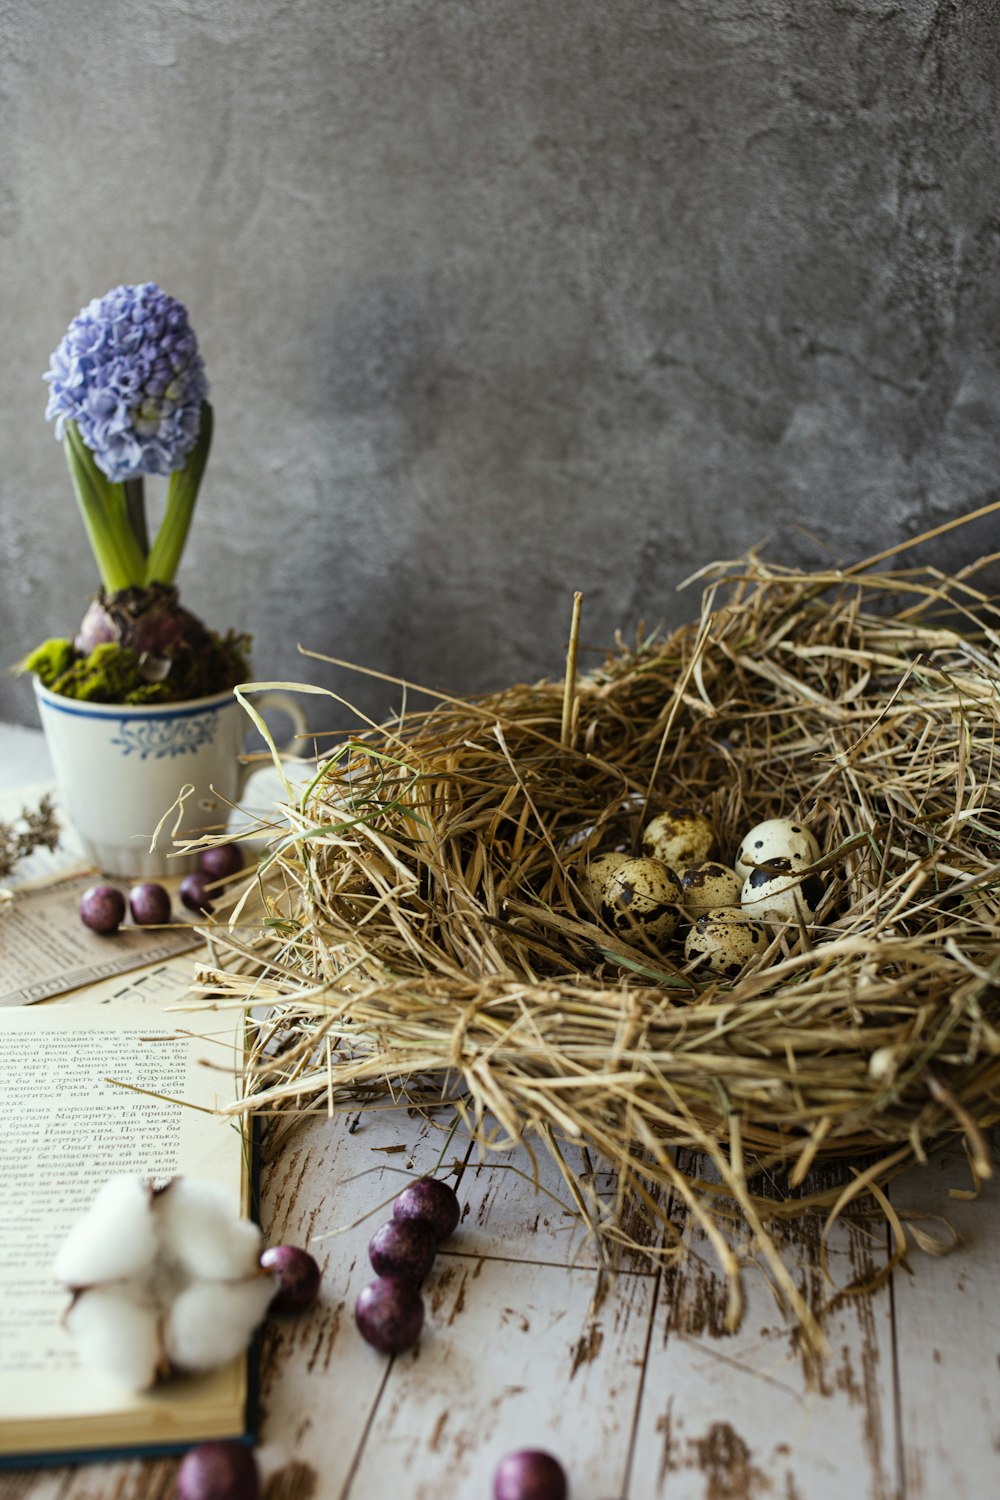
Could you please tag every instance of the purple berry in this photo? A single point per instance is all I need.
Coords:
(149, 904)
(390, 1314)
(431, 1202)
(218, 1471)
(296, 1275)
(193, 892)
(220, 861)
(102, 908)
(403, 1247)
(529, 1474)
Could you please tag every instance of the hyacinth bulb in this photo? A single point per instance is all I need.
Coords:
(163, 1280)
(148, 621)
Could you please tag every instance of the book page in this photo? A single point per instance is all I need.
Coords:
(65, 1130)
(46, 950)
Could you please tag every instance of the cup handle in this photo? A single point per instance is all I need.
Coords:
(283, 703)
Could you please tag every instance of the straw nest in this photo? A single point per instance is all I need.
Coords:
(427, 936)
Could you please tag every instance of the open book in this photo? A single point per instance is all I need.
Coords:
(65, 1130)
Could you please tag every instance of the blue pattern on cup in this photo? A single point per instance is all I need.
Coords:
(160, 737)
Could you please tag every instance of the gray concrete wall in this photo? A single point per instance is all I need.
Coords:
(503, 298)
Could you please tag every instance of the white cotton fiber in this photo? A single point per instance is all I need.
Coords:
(210, 1323)
(172, 1278)
(116, 1335)
(201, 1232)
(114, 1239)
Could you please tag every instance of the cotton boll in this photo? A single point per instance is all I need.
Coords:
(117, 1335)
(200, 1231)
(115, 1238)
(211, 1322)
(161, 1278)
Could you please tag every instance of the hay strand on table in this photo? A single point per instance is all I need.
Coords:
(428, 934)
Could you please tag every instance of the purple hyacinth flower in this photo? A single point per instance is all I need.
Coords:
(129, 374)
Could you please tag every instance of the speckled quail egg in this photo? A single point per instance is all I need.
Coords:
(642, 896)
(780, 894)
(707, 885)
(593, 879)
(680, 836)
(776, 838)
(725, 940)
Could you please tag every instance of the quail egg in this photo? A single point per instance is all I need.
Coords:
(592, 880)
(774, 839)
(642, 896)
(706, 885)
(725, 939)
(680, 836)
(780, 894)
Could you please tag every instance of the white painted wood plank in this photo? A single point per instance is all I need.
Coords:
(508, 1216)
(129, 1480)
(320, 1380)
(513, 1357)
(43, 1484)
(737, 1414)
(948, 1339)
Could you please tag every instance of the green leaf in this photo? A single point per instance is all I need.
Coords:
(182, 492)
(117, 553)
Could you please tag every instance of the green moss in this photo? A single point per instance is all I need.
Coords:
(112, 673)
(49, 660)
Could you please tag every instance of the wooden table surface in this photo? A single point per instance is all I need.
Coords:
(641, 1394)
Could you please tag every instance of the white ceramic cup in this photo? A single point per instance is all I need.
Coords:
(121, 768)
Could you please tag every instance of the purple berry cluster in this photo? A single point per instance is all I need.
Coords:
(390, 1311)
(214, 864)
(129, 374)
(103, 907)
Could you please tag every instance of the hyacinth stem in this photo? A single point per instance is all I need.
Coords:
(135, 500)
(182, 492)
(120, 560)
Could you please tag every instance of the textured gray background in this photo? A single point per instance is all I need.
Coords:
(501, 298)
